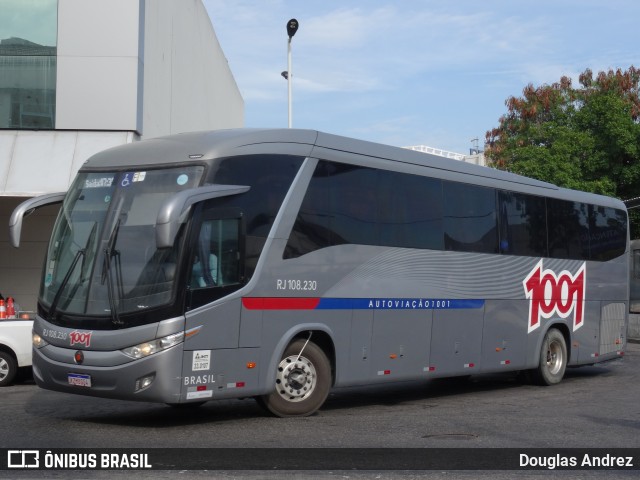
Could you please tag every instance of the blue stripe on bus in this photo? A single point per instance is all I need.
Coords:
(396, 304)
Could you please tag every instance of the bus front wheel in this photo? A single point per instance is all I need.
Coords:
(303, 380)
(553, 359)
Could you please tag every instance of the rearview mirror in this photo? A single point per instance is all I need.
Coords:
(174, 210)
(26, 208)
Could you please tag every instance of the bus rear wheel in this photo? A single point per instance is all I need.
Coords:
(553, 359)
(303, 381)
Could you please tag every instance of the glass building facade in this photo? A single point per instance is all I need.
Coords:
(28, 40)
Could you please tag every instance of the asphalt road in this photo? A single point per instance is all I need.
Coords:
(594, 407)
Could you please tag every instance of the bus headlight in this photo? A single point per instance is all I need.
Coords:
(154, 346)
(38, 341)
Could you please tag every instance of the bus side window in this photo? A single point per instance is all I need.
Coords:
(217, 259)
(204, 272)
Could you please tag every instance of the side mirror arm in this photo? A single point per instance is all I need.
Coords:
(27, 207)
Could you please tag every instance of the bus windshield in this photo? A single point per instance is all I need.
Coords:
(103, 255)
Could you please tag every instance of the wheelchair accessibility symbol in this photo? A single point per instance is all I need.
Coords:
(126, 181)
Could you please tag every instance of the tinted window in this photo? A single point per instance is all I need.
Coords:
(607, 233)
(269, 177)
(352, 204)
(216, 255)
(311, 229)
(339, 207)
(568, 229)
(523, 224)
(359, 205)
(410, 211)
(469, 218)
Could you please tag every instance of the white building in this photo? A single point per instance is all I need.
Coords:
(79, 76)
(475, 156)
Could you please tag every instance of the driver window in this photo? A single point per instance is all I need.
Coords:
(217, 259)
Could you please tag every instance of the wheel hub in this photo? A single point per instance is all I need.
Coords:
(4, 369)
(554, 357)
(296, 378)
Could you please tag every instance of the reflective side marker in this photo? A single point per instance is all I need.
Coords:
(235, 385)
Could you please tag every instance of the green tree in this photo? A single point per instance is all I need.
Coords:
(585, 138)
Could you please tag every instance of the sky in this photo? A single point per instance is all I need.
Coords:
(414, 72)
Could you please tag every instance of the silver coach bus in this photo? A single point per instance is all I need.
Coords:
(276, 264)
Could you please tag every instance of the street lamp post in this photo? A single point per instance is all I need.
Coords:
(292, 28)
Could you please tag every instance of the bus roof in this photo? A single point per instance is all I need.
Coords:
(207, 145)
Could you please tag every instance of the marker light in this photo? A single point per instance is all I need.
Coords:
(154, 346)
(38, 341)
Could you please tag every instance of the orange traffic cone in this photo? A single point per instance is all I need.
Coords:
(3, 310)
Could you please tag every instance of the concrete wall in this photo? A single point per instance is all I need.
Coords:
(150, 66)
(188, 85)
(99, 78)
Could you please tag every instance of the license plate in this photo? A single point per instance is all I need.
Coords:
(79, 380)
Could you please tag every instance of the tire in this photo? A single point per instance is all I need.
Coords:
(8, 368)
(553, 359)
(302, 383)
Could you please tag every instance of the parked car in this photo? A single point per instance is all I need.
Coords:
(15, 348)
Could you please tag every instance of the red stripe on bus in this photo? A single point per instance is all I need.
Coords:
(258, 303)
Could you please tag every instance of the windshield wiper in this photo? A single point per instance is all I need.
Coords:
(107, 276)
(80, 253)
(65, 280)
